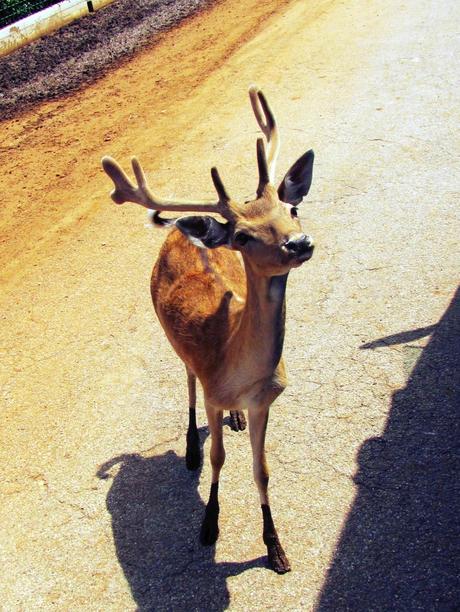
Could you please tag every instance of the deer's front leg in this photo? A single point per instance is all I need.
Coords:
(210, 527)
(258, 419)
(192, 455)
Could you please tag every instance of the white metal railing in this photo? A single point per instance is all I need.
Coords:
(45, 21)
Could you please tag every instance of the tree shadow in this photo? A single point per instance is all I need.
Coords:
(407, 336)
(156, 514)
(400, 547)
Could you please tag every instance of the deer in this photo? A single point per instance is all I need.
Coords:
(219, 291)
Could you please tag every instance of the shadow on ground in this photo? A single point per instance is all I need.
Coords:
(400, 546)
(156, 514)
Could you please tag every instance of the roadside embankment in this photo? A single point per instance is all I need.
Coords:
(24, 30)
(82, 50)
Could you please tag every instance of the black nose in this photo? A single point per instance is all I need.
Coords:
(299, 245)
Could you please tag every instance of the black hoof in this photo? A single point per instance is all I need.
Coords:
(237, 420)
(193, 454)
(277, 559)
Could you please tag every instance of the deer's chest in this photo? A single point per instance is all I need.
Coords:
(240, 389)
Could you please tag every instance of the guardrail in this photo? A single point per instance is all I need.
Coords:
(14, 10)
(43, 22)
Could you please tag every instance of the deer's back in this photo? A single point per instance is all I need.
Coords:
(197, 295)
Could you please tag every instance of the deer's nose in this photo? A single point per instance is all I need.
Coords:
(300, 245)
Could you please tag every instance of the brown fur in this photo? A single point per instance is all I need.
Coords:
(193, 291)
(226, 340)
(224, 312)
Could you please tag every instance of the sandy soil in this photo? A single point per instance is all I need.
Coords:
(99, 512)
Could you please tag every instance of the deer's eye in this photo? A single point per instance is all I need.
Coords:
(294, 212)
(241, 238)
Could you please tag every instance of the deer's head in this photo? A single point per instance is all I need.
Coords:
(265, 230)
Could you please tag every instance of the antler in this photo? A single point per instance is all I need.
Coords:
(125, 191)
(267, 123)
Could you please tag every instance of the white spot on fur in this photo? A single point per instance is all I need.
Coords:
(196, 241)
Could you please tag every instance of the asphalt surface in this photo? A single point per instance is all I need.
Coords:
(98, 510)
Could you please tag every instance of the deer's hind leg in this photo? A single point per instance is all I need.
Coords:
(193, 454)
(237, 420)
(210, 525)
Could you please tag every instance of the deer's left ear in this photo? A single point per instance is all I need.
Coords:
(204, 232)
(296, 184)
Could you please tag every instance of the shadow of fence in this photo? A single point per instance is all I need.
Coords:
(400, 547)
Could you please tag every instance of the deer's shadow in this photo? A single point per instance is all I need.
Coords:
(156, 512)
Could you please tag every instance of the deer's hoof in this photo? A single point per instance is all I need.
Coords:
(277, 558)
(237, 420)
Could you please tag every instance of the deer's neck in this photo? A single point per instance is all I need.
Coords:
(261, 329)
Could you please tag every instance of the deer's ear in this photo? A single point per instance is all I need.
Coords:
(204, 232)
(296, 184)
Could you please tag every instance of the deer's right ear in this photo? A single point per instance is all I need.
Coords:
(296, 184)
(204, 232)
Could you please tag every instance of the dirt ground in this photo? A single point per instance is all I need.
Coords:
(98, 510)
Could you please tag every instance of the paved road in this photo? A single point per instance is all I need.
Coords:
(98, 511)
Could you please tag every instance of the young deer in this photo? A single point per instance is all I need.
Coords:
(224, 320)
